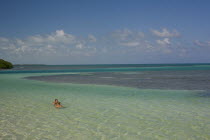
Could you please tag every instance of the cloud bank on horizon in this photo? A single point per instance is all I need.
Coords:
(119, 46)
(104, 32)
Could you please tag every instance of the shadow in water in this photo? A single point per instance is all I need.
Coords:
(204, 94)
(61, 108)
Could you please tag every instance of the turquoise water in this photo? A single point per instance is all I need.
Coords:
(104, 68)
(99, 112)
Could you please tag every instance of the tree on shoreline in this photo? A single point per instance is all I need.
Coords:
(5, 64)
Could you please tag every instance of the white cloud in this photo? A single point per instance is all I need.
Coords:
(79, 46)
(137, 43)
(128, 38)
(126, 34)
(141, 34)
(60, 33)
(59, 36)
(92, 38)
(42, 48)
(166, 51)
(2, 39)
(202, 44)
(130, 44)
(124, 43)
(164, 42)
(57, 43)
(165, 33)
(36, 39)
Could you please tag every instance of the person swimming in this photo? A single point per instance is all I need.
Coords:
(57, 104)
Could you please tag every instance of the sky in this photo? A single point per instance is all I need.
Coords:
(105, 31)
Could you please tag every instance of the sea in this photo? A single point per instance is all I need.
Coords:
(106, 102)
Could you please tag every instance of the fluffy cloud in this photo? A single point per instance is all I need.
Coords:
(92, 38)
(202, 44)
(164, 42)
(140, 43)
(131, 44)
(2, 39)
(128, 38)
(55, 44)
(60, 43)
(126, 34)
(165, 33)
(79, 46)
(58, 37)
(124, 43)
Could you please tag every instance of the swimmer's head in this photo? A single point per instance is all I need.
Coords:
(56, 100)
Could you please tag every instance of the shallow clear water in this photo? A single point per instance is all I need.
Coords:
(99, 112)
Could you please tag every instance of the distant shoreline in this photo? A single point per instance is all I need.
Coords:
(104, 68)
(118, 64)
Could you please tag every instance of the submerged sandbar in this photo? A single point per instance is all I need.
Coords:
(181, 80)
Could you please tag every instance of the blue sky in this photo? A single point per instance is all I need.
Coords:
(104, 31)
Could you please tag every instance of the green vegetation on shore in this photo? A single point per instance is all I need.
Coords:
(5, 64)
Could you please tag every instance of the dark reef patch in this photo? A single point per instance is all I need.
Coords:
(181, 80)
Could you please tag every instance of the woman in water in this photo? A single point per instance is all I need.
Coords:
(57, 104)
